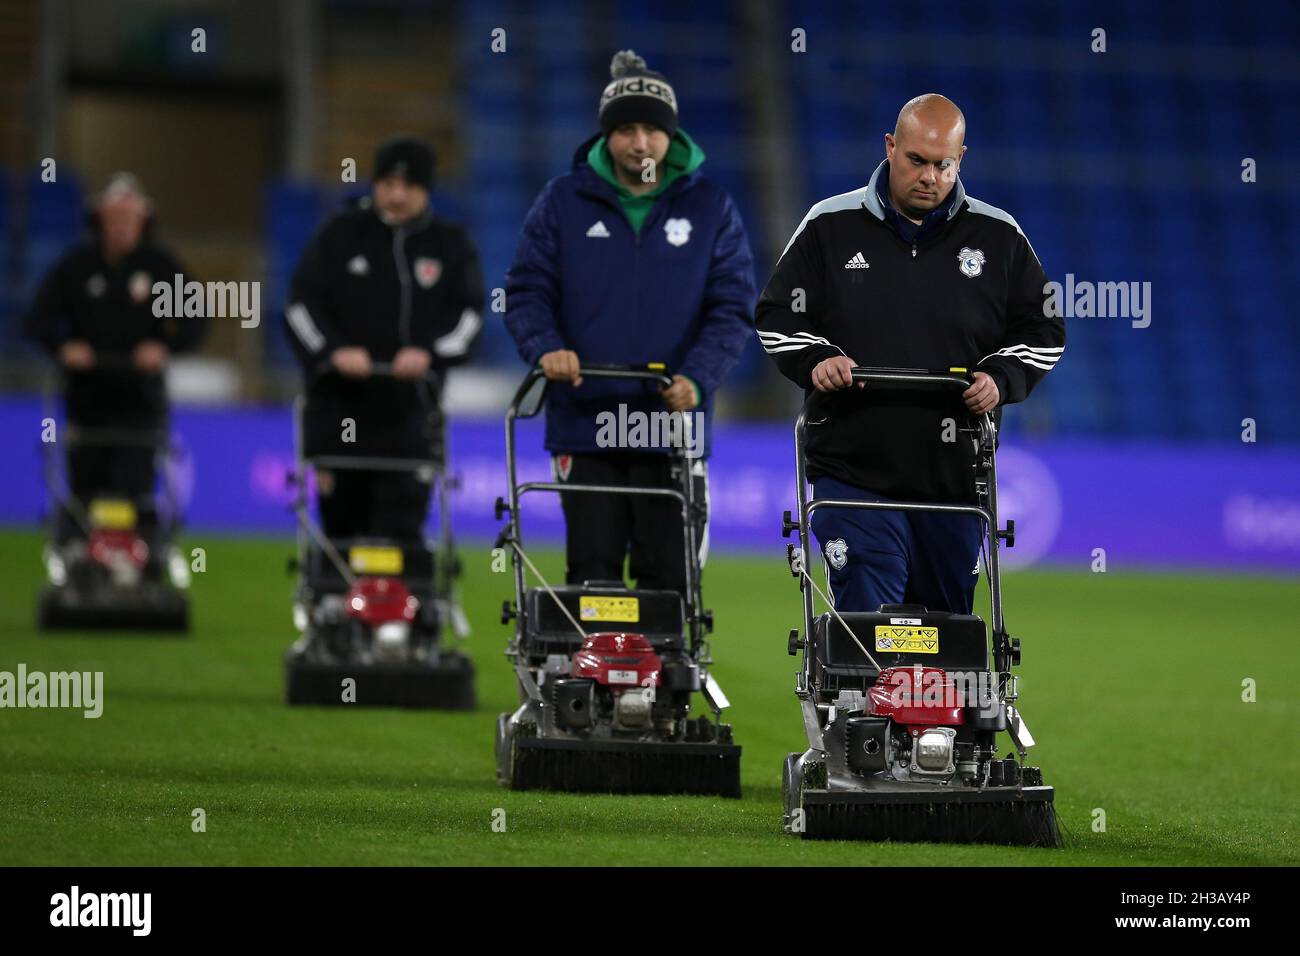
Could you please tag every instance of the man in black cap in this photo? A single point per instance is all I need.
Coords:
(385, 280)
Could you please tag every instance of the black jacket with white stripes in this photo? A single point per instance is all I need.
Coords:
(968, 293)
(363, 283)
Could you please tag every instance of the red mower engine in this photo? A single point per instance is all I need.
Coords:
(910, 725)
(121, 552)
(614, 672)
(387, 607)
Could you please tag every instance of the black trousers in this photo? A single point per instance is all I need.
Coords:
(110, 471)
(602, 531)
(389, 421)
(382, 504)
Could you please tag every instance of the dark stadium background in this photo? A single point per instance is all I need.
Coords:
(1120, 166)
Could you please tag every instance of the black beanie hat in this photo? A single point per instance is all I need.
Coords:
(637, 95)
(408, 157)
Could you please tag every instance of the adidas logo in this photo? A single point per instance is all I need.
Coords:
(598, 230)
(857, 262)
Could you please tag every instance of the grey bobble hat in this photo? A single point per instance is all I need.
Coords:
(636, 95)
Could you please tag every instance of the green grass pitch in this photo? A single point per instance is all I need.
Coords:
(1132, 684)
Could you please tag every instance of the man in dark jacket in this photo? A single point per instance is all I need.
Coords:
(633, 257)
(383, 281)
(94, 314)
(909, 272)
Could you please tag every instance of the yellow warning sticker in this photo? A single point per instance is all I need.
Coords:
(597, 608)
(907, 640)
(373, 559)
(112, 513)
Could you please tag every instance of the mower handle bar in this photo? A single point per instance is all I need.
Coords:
(377, 370)
(917, 379)
(650, 371)
(108, 436)
(108, 362)
(920, 377)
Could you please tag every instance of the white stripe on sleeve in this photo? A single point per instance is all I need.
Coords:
(1043, 357)
(774, 342)
(302, 325)
(455, 343)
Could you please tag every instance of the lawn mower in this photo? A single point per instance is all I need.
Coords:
(374, 612)
(111, 561)
(900, 705)
(605, 672)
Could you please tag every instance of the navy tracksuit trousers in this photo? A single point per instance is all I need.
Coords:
(879, 557)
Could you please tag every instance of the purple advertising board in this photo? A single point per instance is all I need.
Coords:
(1210, 506)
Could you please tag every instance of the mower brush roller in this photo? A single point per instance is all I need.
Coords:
(607, 674)
(902, 705)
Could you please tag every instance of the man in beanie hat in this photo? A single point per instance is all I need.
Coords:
(384, 280)
(631, 257)
(95, 315)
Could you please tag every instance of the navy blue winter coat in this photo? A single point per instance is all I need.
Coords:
(681, 292)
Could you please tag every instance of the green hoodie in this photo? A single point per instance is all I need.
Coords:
(684, 156)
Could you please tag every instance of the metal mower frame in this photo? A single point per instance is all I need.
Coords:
(823, 797)
(445, 680)
(160, 602)
(529, 736)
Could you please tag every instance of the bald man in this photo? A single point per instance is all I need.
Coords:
(94, 315)
(906, 272)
